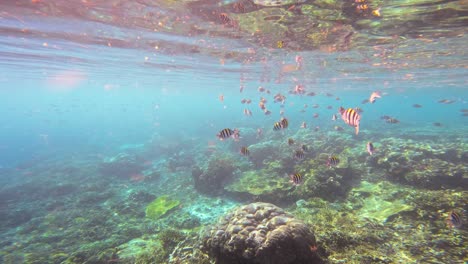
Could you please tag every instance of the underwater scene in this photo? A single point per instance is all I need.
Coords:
(233, 131)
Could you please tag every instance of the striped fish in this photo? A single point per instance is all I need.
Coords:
(282, 124)
(224, 18)
(333, 161)
(227, 133)
(299, 154)
(296, 178)
(351, 117)
(245, 151)
(454, 220)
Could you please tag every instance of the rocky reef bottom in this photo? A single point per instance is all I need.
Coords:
(74, 211)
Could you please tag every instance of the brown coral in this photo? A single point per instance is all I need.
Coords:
(260, 233)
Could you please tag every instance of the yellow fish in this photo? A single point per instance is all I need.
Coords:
(280, 44)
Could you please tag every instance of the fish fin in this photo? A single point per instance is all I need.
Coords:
(357, 129)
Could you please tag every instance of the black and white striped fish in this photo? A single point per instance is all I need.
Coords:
(296, 178)
(351, 117)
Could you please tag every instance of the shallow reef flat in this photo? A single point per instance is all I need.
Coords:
(389, 207)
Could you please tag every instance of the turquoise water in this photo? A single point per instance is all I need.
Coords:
(108, 105)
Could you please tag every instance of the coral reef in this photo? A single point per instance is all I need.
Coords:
(376, 204)
(160, 206)
(219, 172)
(122, 166)
(260, 233)
(433, 165)
(406, 224)
(257, 185)
(390, 207)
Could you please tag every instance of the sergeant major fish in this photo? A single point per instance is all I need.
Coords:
(351, 117)
(333, 161)
(295, 179)
(227, 133)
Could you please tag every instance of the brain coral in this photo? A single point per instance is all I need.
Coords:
(260, 233)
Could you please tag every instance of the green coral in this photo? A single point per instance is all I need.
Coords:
(160, 206)
(262, 185)
(376, 206)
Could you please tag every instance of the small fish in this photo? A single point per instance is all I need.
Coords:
(385, 117)
(224, 18)
(333, 161)
(227, 133)
(299, 89)
(247, 112)
(464, 110)
(437, 124)
(338, 128)
(316, 115)
(370, 148)
(446, 101)
(351, 117)
(303, 125)
(374, 96)
(299, 62)
(277, 126)
(221, 98)
(299, 154)
(259, 132)
(295, 179)
(392, 120)
(329, 107)
(282, 124)
(245, 151)
(290, 141)
(261, 89)
(362, 7)
(333, 117)
(248, 101)
(304, 148)
(243, 101)
(454, 220)
(376, 12)
(417, 106)
(267, 112)
(279, 98)
(280, 44)
(315, 106)
(262, 106)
